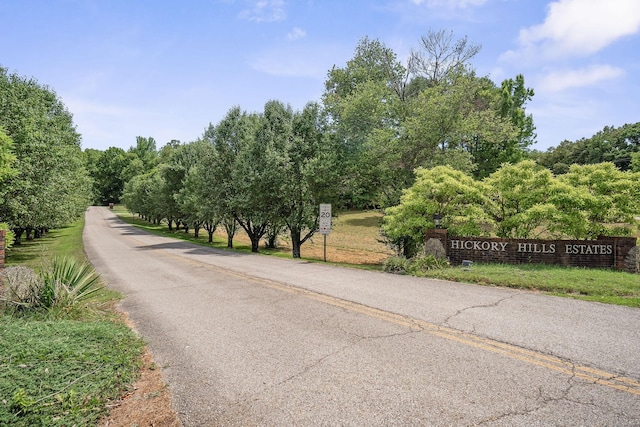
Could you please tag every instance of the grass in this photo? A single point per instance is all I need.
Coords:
(61, 368)
(63, 242)
(62, 373)
(605, 286)
(354, 241)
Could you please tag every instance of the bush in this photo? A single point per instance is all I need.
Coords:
(415, 265)
(65, 285)
(396, 265)
(426, 262)
(10, 237)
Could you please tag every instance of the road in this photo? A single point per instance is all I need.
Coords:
(255, 340)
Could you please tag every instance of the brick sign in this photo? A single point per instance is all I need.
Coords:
(3, 234)
(606, 252)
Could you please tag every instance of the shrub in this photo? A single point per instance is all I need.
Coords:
(65, 285)
(20, 288)
(9, 239)
(396, 265)
(426, 262)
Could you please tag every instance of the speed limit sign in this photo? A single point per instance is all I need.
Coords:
(325, 218)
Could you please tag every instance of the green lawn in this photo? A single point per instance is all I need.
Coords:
(606, 286)
(60, 369)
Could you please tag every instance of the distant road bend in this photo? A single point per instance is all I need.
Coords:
(255, 340)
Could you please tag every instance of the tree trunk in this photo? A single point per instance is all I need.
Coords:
(295, 243)
(255, 243)
(272, 241)
(230, 228)
(18, 236)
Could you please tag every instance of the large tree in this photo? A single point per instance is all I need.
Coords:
(390, 119)
(51, 187)
(308, 174)
(198, 207)
(107, 170)
(452, 194)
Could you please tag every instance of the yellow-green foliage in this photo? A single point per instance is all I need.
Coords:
(451, 193)
(522, 200)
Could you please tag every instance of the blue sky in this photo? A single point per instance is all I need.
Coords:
(167, 69)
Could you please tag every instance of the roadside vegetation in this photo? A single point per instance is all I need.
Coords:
(64, 353)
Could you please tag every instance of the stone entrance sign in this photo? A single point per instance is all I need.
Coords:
(606, 252)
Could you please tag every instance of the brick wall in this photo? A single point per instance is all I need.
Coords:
(605, 252)
(3, 234)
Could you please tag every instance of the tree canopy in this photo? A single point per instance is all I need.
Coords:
(616, 145)
(51, 186)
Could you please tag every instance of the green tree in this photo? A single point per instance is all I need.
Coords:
(144, 195)
(196, 185)
(146, 151)
(257, 182)
(361, 99)
(107, 168)
(228, 138)
(390, 119)
(51, 187)
(515, 130)
(308, 175)
(634, 166)
(456, 196)
(519, 199)
(611, 144)
(611, 199)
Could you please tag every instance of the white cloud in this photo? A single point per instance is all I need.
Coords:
(296, 33)
(581, 27)
(265, 11)
(559, 80)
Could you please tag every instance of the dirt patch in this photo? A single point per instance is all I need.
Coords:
(147, 405)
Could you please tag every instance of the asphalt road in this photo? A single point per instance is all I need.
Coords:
(255, 340)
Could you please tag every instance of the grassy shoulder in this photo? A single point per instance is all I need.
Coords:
(62, 367)
(354, 242)
(605, 286)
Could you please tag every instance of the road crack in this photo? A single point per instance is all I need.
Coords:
(446, 321)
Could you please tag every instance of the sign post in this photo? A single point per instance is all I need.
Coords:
(325, 224)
